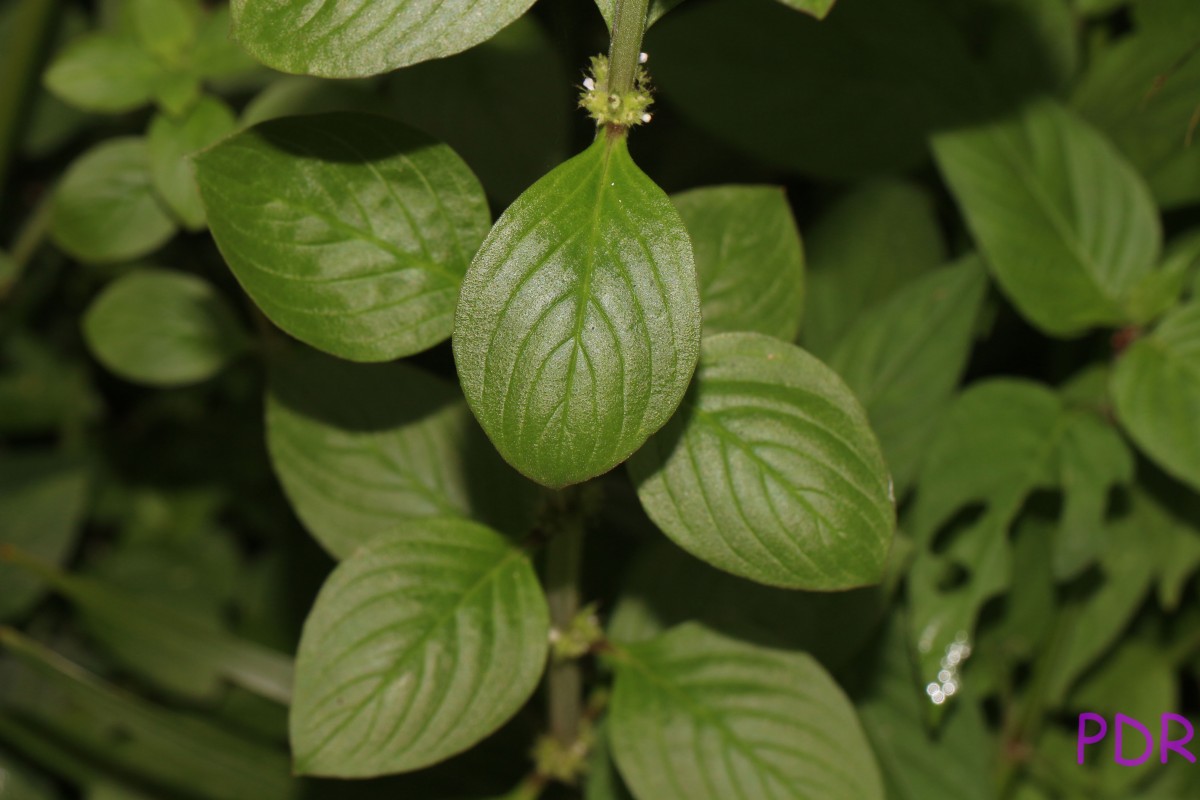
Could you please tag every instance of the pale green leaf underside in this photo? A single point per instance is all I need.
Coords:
(105, 210)
(749, 259)
(358, 38)
(362, 449)
(578, 326)
(1065, 223)
(419, 645)
(162, 328)
(350, 231)
(699, 716)
(1156, 389)
(770, 470)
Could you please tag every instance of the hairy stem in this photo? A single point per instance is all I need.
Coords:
(629, 25)
(31, 26)
(564, 561)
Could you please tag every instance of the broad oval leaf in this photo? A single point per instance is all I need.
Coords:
(1156, 390)
(105, 209)
(362, 449)
(420, 645)
(699, 716)
(104, 73)
(749, 259)
(578, 326)
(1066, 225)
(350, 231)
(770, 470)
(358, 38)
(163, 328)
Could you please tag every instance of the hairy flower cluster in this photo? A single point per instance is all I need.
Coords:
(625, 109)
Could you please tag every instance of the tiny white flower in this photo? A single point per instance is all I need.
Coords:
(643, 58)
(589, 84)
(646, 117)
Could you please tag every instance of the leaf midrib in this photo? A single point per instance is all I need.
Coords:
(591, 245)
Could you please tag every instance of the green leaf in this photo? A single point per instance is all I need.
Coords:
(602, 780)
(903, 360)
(770, 470)
(749, 259)
(215, 55)
(809, 96)
(181, 652)
(1098, 611)
(654, 13)
(291, 96)
(104, 73)
(177, 92)
(1066, 225)
(18, 782)
(1000, 441)
(165, 28)
(419, 645)
(1143, 91)
(40, 390)
(578, 326)
(105, 209)
(869, 244)
(42, 502)
(175, 751)
(1156, 389)
(351, 232)
(504, 106)
(1160, 291)
(667, 587)
(919, 763)
(698, 716)
(814, 8)
(163, 328)
(363, 450)
(171, 141)
(337, 39)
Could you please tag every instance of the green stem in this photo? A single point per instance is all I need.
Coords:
(33, 232)
(564, 562)
(31, 25)
(629, 25)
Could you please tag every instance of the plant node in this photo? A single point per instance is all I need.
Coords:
(579, 637)
(618, 109)
(565, 763)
